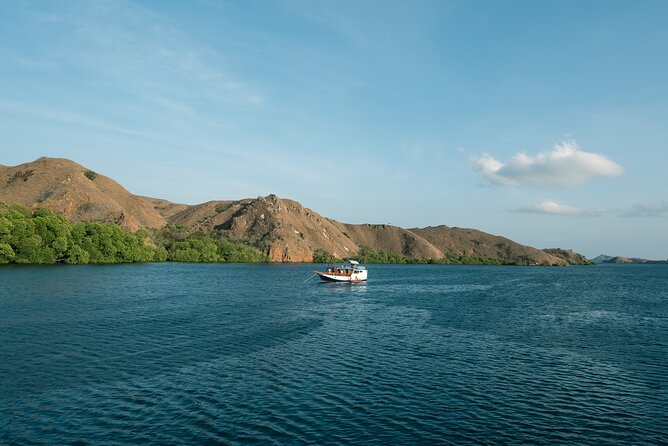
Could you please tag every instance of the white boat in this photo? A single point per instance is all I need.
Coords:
(349, 271)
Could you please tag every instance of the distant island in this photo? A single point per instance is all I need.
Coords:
(59, 211)
(625, 260)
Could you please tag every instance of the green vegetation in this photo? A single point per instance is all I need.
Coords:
(43, 237)
(180, 246)
(467, 260)
(366, 255)
(322, 256)
(91, 175)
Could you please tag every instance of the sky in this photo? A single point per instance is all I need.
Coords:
(545, 122)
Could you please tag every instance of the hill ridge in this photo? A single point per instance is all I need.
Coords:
(283, 228)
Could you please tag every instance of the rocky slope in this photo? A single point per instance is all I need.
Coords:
(620, 260)
(289, 232)
(284, 229)
(62, 186)
(390, 239)
(471, 242)
(573, 258)
(163, 207)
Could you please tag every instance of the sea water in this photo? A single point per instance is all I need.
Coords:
(421, 354)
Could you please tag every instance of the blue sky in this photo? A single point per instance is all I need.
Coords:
(546, 122)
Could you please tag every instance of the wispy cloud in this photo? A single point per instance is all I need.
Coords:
(563, 166)
(646, 210)
(72, 118)
(554, 208)
(135, 49)
(637, 210)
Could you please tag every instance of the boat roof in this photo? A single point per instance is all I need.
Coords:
(353, 264)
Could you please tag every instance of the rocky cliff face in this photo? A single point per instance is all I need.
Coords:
(284, 229)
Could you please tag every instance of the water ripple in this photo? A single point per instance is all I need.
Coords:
(182, 354)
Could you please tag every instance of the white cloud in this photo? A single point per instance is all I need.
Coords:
(563, 166)
(549, 207)
(554, 208)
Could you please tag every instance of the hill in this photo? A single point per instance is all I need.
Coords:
(573, 258)
(633, 260)
(388, 238)
(289, 232)
(282, 229)
(77, 193)
(163, 207)
(603, 258)
(472, 242)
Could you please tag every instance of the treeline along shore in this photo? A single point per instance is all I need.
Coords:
(43, 237)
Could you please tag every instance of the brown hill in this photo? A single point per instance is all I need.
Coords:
(633, 260)
(390, 238)
(289, 232)
(573, 258)
(62, 186)
(284, 229)
(471, 242)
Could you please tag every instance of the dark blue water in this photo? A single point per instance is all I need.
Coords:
(192, 354)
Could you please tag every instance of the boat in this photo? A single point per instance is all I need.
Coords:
(349, 271)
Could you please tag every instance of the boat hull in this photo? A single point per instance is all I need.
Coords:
(326, 277)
